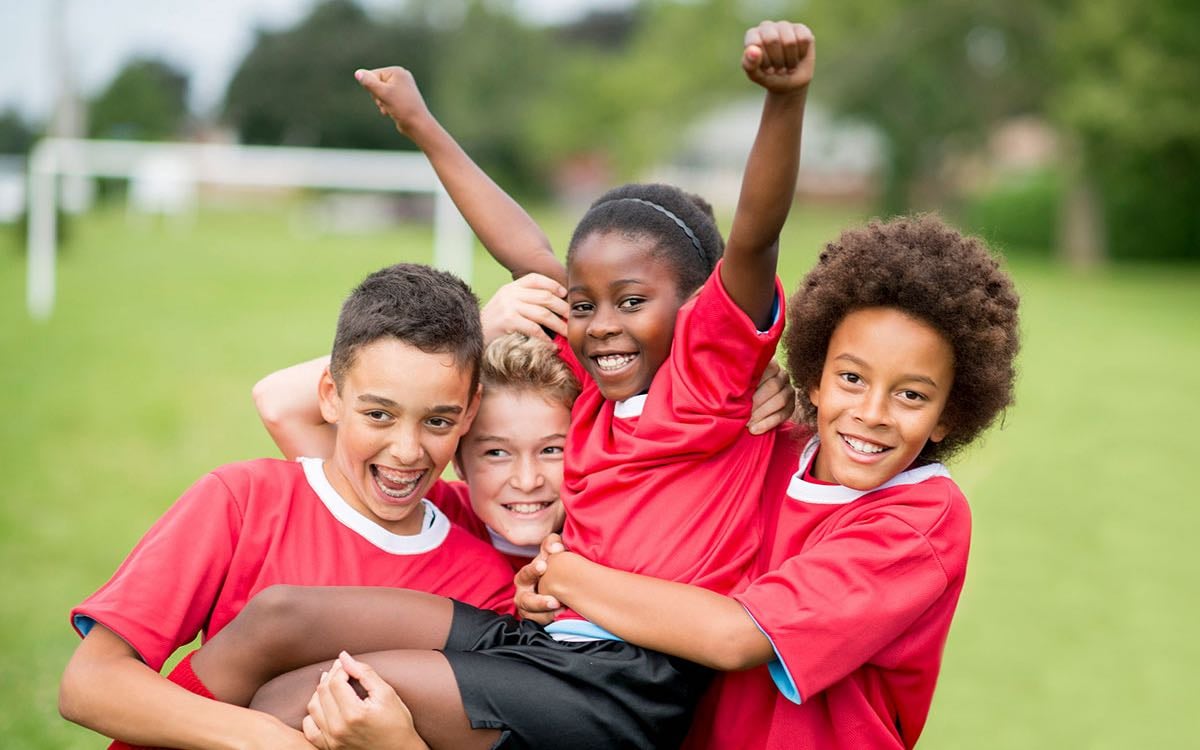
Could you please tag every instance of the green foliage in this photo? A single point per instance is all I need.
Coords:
(296, 87)
(1128, 89)
(16, 135)
(1019, 215)
(147, 101)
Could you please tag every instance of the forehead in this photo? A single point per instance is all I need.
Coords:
(391, 369)
(605, 258)
(517, 413)
(885, 337)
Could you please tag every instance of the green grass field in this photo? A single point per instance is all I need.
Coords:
(1073, 628)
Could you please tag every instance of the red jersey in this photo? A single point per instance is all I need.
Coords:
(857, 602)
(668, 483)
(246, 526)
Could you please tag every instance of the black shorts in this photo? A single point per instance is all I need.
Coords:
(549, 694)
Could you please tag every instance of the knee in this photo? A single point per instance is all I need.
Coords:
(274, 615)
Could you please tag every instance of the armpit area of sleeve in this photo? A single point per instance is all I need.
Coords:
(830, 609)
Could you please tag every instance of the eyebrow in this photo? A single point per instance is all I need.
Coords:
(503, 439)
(907, 377)
(371, 398)
(611, 284)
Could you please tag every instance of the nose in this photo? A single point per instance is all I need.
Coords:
(527, 475)
(406, 448)
(872, 408)
(603, 324)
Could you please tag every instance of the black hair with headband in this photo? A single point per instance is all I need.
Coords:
(681, 224)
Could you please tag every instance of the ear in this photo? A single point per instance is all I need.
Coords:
(939, 432)
(329, 398)
(814, 394)
(457, 463)
(472, 410)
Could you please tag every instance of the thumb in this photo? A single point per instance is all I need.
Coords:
(364, 673)
(368, 80)
(751, 57)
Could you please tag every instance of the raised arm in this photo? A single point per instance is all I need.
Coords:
(505, 229)
(779, 57)
(107, 688)
(287, 404)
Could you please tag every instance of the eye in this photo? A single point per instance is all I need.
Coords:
(914, 396)
(439, 423)
(552, 450)
(378, 415)
(631, 303)
(495, 453)
(581, 308)
(853, 378)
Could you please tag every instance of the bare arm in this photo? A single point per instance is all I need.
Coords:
(779, 57)
(685, 621)
(107, 688)
(505, 229)
(287, 403)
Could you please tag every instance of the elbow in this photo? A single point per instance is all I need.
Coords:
(268, 408)
(735, 648)
(72, 691)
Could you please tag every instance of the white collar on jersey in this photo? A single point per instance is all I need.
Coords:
(630, 407)
(836, 494)
(506, 547)
(434, 528)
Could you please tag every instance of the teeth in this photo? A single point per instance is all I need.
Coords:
(527, 507)
(406, 481)
(614, 361)
(863, 447)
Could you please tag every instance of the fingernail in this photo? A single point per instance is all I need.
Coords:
(358, 74)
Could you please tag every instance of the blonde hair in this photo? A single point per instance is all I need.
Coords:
(516, 361)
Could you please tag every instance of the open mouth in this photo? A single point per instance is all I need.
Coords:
(609, 363)
(527, 509)
(395, 484)
(864, 447)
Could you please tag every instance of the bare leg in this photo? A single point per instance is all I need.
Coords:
(422, 679)
(287, 627)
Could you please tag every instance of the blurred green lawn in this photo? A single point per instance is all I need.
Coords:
(1072, 630)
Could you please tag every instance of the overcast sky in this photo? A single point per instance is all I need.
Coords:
(206, 38)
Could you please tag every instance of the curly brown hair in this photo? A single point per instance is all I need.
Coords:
(928, 270)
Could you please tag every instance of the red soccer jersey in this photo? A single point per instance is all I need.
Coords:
(857, 602)
(246, 526)
(668, 483)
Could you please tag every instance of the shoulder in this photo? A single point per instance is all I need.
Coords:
(246, 480)
(935, 509)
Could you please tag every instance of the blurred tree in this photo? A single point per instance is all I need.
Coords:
(16, 135)
(1126, 87)
(296, 87)
(146, 101)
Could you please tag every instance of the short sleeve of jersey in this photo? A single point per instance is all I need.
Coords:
(159, 598)
(718, 354)
(830, 608)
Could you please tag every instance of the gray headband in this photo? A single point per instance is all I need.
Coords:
(665, 212)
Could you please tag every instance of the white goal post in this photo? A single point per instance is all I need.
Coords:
(195, 163)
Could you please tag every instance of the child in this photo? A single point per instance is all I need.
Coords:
(904, 337)
(402, 387)
(660, 477)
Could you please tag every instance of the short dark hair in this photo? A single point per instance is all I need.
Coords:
(421, 306)
(928, 270)
(639, 210)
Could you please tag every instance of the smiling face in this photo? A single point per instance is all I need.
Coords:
(512, 460)
(400, 414)
(623, 302)
(882, 393)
